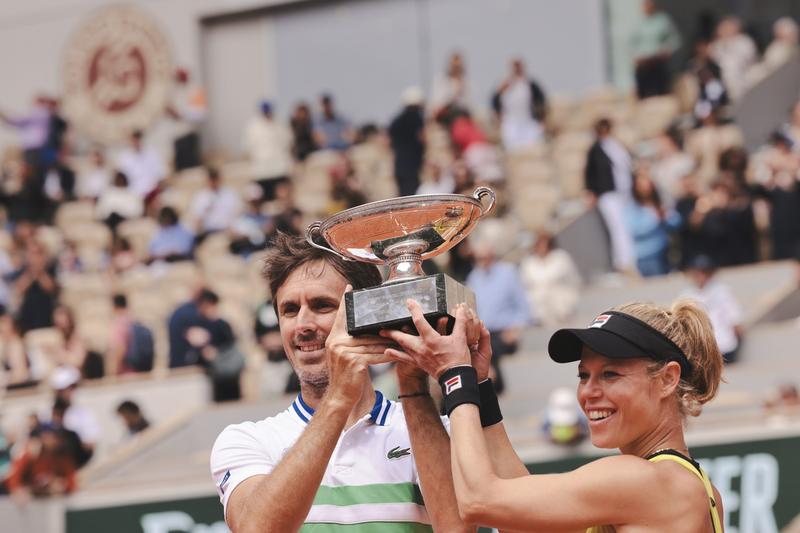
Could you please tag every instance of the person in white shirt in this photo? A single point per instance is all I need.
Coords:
(188, 109)
(520, 103)
(269, 147)
(341, 453)
(214, 208)
(143, 166)
(671, 164)
(118, 202)
(77, 418)
(94, 180)
(718, 301)
(735, 53)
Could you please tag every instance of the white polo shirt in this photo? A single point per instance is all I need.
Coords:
(371, 482)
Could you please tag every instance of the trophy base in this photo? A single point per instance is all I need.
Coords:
(384, 307)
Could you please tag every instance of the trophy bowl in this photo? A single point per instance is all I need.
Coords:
(400, 233)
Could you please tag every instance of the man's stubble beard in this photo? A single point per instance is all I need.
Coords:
(316, 380)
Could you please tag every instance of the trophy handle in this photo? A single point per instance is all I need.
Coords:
(314, 228)
(479, 194)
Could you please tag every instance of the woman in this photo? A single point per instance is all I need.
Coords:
(642, 370)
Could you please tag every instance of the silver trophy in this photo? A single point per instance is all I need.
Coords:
(401, 233)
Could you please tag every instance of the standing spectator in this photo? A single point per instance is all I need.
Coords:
(118, 202)
(779, 172)
(36, 288)
(671, 164)
(131, 415)
(45, 468)
(332, 131)
(215, 207)
(501, 303)
(14, 362)
(302, 132)
(189, 111)
(718, 301)
(93, 181)
(450, 93)
(172, 242)
(143, 167)
(609, 182)
(551, 279)
(182, 318)
(521, 104)
(34, 131)
(653, 43)
(650, 224)
(64, 381)
(268, 143)
(214, 347)
(735, 52)
(407, 133)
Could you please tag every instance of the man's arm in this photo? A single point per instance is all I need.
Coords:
(431, 447)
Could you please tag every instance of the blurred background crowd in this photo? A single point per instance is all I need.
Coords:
(120, 264)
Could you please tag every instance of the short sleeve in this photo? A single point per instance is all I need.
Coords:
(238, 454)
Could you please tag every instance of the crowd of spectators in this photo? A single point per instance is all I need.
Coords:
(688, 197)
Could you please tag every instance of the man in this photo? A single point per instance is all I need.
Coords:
(269, 147)
(341, 453)
(188, 110)
(332, 131)
(172, 242)
(131, 415)
(75, 417)
(521, 104)
(215, 207)
(143, 167)
(653, 43)
(609, 182)
(408, 142)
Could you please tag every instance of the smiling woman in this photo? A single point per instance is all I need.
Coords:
(642, 369)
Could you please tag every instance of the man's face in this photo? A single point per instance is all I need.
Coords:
(307, 303)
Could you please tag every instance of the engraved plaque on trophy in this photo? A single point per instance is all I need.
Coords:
(401, 233)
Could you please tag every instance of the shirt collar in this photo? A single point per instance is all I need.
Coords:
(378, 414)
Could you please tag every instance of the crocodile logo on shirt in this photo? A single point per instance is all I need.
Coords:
(397, 452)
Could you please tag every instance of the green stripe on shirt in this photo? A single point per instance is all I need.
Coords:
(375, 493)
(368, 527)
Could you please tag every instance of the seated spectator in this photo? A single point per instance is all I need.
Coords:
(143, 167)
(93, 181)
(713, 97)
(718, 301)
(172, 242)
(481, 157)
(44, 468)
(331, 130)
(6, 269)
(14, 362)
(551, 279)
(302, 132)
(68, 261)
(712, 221)
(73, 351)
(251, 230)
(215, 207)
(36, 288)
(131, 347)
(123, 258)
(214, 347)
(75, 417)
(650, 225)
(72, 440)
(440, 181)
(286, 216)
(268, 144)
(132, 417)
(118, 202)
(670, 166)
(346, 189)
(184, 317)
(563, 421)
(268, 337)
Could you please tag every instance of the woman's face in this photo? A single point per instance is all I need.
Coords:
(618, 398)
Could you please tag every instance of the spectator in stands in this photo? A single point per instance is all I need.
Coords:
(450, 92)
(609, 180)
(251, 230)
(119, 336)
(36, 288)
(94, 180)
(346, 189)
(778, 172)
(72, 351)
(132, 416)
(188, 109)
(783, 47)
(287, 217)
(268, 335)
(123, 258)
(551, 279)
(45, 467)
(713, 221)
(33, 130)
(68, 261)
(182, 318)
(407, 134)
(501, 302)
(521, 104)
(332, 131)
(481, 157)
(14, 362)
(719, 302)
(650, 224)
(303, 132)
(712, 98)
(689, 236)
(563, 422)
(143, 167)
(118, 202)
(735, 52)
(214, 208)
(268, 143)
(214, 347)
(653, 43)
(64, 381)
(172, 242)
(703, 59)
(440, 180)
(71, 439)
(671, 164)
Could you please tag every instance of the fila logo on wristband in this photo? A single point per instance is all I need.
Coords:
(452, 384)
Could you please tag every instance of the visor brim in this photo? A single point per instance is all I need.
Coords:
(566, 345)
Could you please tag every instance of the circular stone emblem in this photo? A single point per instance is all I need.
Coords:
(117, 74)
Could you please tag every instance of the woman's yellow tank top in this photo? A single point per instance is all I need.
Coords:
(688, 464)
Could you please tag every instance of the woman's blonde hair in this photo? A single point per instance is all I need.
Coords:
(688, 326)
